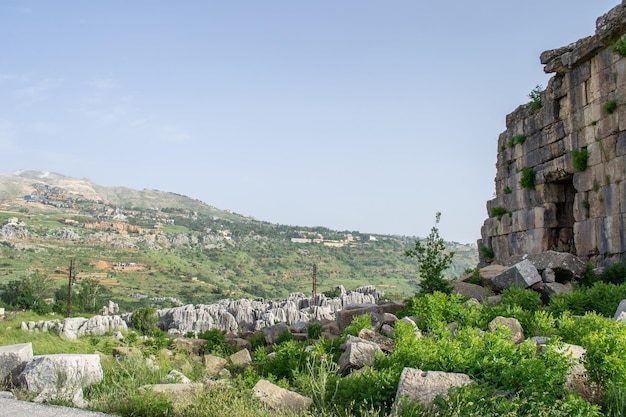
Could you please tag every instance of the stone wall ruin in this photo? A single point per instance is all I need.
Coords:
(583, 110)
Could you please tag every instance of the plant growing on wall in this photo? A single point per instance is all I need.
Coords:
(507, 190)
(580, 159)
(610, 106)
(519, 138)
(528, 178)
(497, 211)
(535, 97)
(619, 47)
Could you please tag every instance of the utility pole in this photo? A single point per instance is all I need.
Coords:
(314, 292)
(69, 289)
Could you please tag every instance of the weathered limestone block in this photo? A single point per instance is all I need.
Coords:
(517, 332)
(175, 390)
(386, 344)
(13, 360)
(279, 398)
(358, 353)
(566, 266)
(175, 377)
(522, 274)
(425, 386)
(488, 273)
(345, 316)
(61, 377)
(469, 290)
(194, 346)
(241, 358)
(214, 364)
(272, 333)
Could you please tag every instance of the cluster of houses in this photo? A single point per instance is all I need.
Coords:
(314, 237)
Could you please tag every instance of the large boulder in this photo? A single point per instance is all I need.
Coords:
(13, 360)
(523, 274)
(61, 377)
(279, 398)
(425, 386)
(344, 317)
(488, 273)
(359, 353)
(566, 267)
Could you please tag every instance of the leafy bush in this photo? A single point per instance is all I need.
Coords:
(358, 323)
(610, 106)
(497, 211)
(619, 47)
(371, 388)
(580, 159)
(434, 311)
(479, 401)
(507, 190)
(519, 139)
(289, 358)
(433, 260)
(216, 343)
(615, 274)
(144, 321)
(314, 331)
(536, 101)
(601, 297)
(526, 299)
(527, 179)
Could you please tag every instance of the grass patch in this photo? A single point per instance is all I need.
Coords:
(527, 179)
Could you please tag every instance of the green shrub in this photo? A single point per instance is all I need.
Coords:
(434, 311)
(216, 343)
(585, 204)
(526, 299)
(527, 179)
(433, 260)
(475, 278)
(486, 253)
(256, 341)
(619, 47)
(519, 139)
(536, 101)
(615, 274)
(610, 106)
(580, 159)
(368, 389)
(602, 298)
(314, 331)
(588, 277)
(507, 190)
(144, 321)
(358, 323)
(497, 211)
(477, 400)
(289, 358)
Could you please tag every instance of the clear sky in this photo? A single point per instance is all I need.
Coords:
(361, 115)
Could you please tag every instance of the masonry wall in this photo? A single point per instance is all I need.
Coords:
(581, 212)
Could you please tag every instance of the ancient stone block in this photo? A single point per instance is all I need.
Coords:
(523, 274)
(279, 398)
(61, 377)
(241, 358)
(13, 360)
(358, 353)
(425, 386)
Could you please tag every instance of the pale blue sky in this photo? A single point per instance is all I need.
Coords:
(355, 115)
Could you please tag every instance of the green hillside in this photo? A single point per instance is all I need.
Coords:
(154, 244)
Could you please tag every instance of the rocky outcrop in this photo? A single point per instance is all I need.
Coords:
(560, 171)
(254, 315)
(73, 327)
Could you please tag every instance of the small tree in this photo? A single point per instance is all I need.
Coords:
(433, 260)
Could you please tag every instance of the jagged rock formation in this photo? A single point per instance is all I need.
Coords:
(544, 199)
(253, 315)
